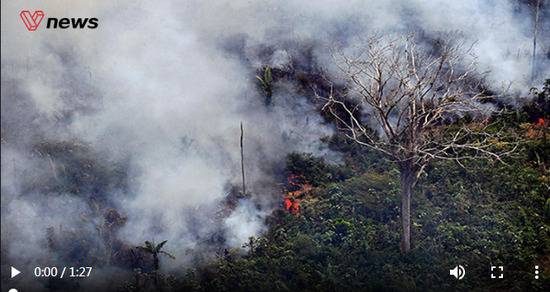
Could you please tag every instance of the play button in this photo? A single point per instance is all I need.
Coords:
(14, 272)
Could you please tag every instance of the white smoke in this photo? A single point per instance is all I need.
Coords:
(157, 84)
(243, 222)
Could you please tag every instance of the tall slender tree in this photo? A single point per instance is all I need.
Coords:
(242, 160)
(535, 30)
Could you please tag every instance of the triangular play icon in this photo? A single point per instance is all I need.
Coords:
(14, 272)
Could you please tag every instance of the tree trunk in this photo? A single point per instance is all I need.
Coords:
(406, 181)
(156, 265)
(242, 159)
(156, 269)
(534, 58)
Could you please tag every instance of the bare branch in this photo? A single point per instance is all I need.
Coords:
(408, 102)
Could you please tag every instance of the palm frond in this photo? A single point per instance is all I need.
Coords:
(160, 245)
(167, 254)
(144, 249)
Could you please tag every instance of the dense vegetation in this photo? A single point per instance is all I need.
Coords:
(346, 236)
(347, 233)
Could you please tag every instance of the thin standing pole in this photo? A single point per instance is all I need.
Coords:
(242, 159)
(533, 60)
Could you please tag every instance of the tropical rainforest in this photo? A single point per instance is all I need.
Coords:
(276, 146)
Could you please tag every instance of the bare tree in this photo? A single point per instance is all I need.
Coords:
(535, 29)
(242, 160)
(414, 105)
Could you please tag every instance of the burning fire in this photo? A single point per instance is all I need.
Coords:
(537, 130)
(296, 188)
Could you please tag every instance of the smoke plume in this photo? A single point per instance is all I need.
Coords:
(158, 91)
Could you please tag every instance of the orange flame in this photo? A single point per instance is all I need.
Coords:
(296, 188)
(287, 204)
(536, 130)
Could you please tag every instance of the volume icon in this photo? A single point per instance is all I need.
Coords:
(458, 272)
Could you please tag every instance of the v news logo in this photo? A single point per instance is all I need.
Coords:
(32, 21)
